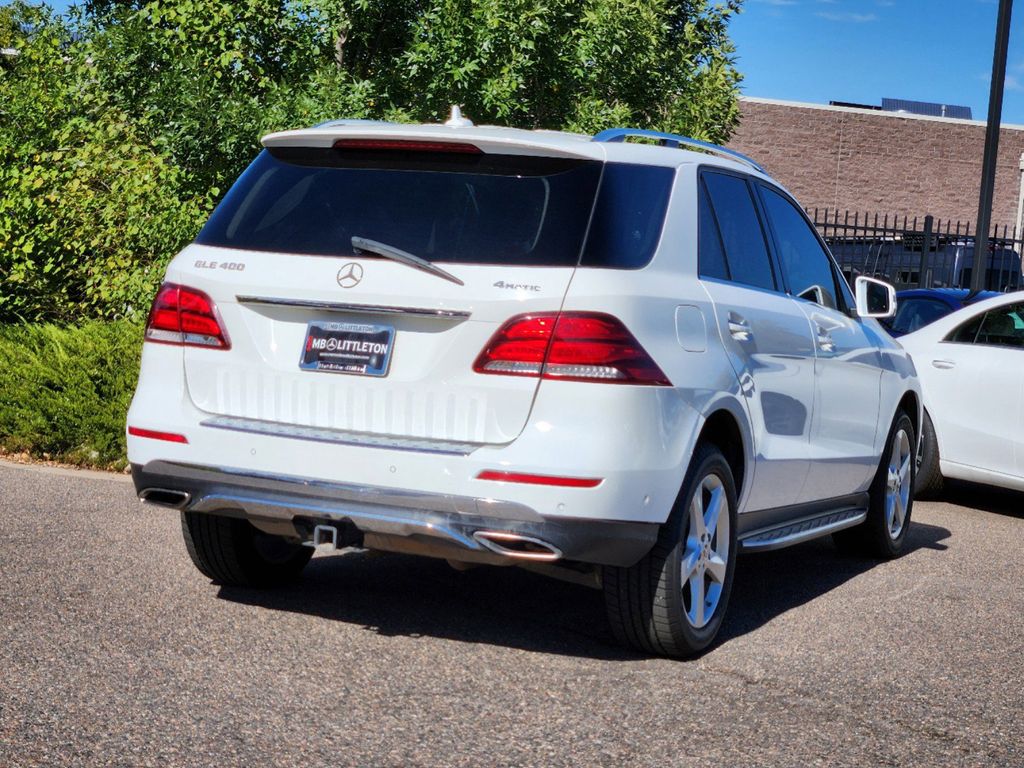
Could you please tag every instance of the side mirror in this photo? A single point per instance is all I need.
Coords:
(875, 298)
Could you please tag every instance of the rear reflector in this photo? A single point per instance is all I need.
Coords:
(152, 434)
(187, 317)
(572, 346)
(405, 145)
(520, 477)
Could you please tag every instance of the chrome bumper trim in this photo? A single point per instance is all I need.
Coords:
(340, 436)
(207, 479)
(358, 309)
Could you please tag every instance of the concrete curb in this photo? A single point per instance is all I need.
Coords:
(46, 469)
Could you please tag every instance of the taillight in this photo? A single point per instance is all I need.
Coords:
(572, 346)
(185, 316)
(406, 145)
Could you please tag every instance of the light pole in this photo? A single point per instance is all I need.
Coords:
(988, 164)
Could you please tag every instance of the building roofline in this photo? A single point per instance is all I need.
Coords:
(874, 112)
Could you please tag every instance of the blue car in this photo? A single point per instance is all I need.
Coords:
(917, 307)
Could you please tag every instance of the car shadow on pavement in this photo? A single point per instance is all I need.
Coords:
(401, 595)
(769, 584)
(984, 498)
(398, 595)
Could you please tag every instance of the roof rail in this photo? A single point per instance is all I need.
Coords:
(674, 140)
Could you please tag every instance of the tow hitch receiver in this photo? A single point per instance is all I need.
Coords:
(323, 534)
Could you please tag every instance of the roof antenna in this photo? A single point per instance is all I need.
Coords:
(456, 120)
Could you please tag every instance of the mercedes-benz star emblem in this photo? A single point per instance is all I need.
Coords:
(350, 275)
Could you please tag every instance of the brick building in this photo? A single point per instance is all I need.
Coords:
(873, 161)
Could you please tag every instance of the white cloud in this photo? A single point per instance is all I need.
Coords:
(853, 18)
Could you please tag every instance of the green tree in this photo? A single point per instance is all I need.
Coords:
(121, 123)
(581, 66)
(91, 207)
(212, 75)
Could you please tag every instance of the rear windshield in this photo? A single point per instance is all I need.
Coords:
(444, 207)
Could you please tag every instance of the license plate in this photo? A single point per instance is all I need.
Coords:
(358, 348)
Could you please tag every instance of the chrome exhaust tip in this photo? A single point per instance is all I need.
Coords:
(517, 546)
(165, 497)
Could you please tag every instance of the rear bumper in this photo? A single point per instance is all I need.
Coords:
(439, 525)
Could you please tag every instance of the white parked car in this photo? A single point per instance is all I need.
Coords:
(503, 346)
(971, 364)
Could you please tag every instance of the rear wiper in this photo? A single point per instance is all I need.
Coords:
(397, 254)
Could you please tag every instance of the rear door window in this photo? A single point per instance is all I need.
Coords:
(1000, 327)
(966, 333)
(742, 237)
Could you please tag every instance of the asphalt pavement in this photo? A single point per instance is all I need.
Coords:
(114, 650)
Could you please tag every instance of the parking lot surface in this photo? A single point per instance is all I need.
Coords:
(114, 650)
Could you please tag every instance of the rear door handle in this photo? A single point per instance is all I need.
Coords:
(944, 364)
(739, 328)
(825, 343)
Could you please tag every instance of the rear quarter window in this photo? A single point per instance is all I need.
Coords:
(628, 216)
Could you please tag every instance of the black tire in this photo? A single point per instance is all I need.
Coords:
(883, 533)
(647, 602)
(929, 480)
(233, 552)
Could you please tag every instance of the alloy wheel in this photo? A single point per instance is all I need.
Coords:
(706, 554)
(897, 489)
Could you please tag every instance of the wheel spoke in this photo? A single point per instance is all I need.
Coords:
(894, 456)
(898, 511)
(691, 559)
(716, 568)
(905, 471)
(714, 511)
(697, 527)
(697, 599)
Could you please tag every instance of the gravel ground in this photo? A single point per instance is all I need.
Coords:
(115, 651)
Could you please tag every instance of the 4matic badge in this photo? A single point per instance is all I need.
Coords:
(517, 286)
(350, 275)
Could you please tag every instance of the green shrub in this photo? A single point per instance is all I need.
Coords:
(64, 392)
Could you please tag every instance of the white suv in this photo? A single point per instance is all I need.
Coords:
(627, 360)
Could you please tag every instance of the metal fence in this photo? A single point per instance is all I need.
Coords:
(912, 252)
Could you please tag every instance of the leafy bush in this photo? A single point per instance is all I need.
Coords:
(64, 392)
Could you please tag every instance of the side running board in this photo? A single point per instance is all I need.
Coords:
(796, 531)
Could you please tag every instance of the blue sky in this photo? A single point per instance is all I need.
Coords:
(861, 50)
